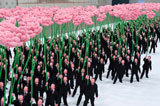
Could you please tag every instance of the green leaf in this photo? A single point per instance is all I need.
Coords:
(17, 25)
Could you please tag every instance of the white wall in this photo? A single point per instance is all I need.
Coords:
(152, 1)
(1, 4)
(24, 3)
(8, 3)
(134, 1)
(145, 1)
(27, 1)
(104, 2)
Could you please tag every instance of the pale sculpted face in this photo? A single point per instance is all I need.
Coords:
(25, 89)
(20, 98)
(52, 86)
(48, 74)
(36, 81)
(39, 102)
(65, 79)
(65, 71)
(92, 81)
(2, 100)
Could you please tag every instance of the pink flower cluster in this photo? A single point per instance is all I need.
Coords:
(31, 25)
(13, 36)
(133, 11)
(101, 17)
(30, 20)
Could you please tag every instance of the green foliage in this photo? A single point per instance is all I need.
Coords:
(157, 13)
(17, 24)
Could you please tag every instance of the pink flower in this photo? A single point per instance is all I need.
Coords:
(15, 36)
(63, 16)
(45, 21)
(77, 20)
(101, 17)
(87, 20)
(31, 19)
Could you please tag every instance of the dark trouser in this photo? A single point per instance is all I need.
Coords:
(137, 77)
(71, 83)
(108, 73)
(119, 77)
(100, 76)
(153, 49)
(75, 89)
(36, 98)
(42, 91)
(80, 97)
(127, 75)
(145, 70)
(145, 50)
(91, 73)
(112, 73)
(87, 99)
(64, 96)
(51, 104)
